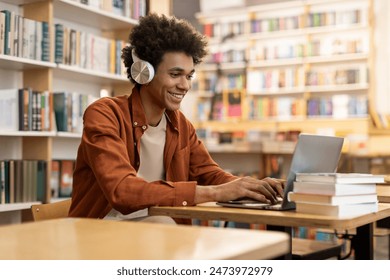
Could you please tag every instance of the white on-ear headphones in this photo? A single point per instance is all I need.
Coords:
(141, 71)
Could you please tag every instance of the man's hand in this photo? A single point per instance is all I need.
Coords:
(265, 190)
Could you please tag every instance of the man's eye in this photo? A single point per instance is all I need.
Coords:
(192, 76)
(174, 75)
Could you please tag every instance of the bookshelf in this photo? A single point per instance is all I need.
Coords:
(305, 65)
(20, 72)
(292, 60)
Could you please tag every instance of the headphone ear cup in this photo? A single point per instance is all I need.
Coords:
(142, 72)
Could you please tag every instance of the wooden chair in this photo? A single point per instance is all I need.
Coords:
(53, 210)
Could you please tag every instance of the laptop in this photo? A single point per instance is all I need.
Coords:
(312, 153)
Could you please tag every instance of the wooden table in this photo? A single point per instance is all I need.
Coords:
(92, 239)
(364, 224)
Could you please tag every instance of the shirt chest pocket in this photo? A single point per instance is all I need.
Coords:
(180, 164)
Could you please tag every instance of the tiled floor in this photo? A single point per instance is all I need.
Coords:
(381, 251)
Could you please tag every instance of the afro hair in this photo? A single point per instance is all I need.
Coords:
(157, 34)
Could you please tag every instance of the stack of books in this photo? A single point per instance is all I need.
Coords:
(336, 194)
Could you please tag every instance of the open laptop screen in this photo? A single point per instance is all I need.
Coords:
(313, 153)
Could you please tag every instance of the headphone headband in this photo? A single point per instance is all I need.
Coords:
(134, 56)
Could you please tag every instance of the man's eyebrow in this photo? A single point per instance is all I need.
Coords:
(179, 69)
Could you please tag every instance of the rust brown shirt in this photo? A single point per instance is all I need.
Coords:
(105, 175)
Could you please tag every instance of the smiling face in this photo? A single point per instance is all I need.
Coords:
(169, 86)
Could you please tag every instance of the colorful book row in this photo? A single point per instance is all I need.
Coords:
(338, 106)
(29, 110)
(23, 37)
(277, 24)
(25, 180)
(283, 107)
(276, 79)
(259, 108)
(127, 8)
(224, 30)
(22, 181)
(88, 51)
(69, 108)
(61, 178)
(294, 49)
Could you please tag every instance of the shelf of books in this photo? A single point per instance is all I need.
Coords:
(107, 15)
(301, 65)
(48, 77)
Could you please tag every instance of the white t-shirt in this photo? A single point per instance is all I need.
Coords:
(151, 163)
(152, 152)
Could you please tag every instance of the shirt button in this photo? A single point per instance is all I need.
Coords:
(135, 144)
(144, 127)
(184, 203)
(135, 123)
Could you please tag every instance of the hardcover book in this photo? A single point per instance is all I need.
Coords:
(332, 199)
(346, 210)
(7, 31)
(66, 178)
(25, 109)
(59, 43)
(45, 44)
(60, 101)
(9, 119)
(340, 178)
(2, 32)
(41, 180)
(55, 178)
(2, 182)
(331, 188)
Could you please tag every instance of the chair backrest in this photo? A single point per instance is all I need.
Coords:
(53, 210)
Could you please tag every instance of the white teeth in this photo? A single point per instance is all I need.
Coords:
(178, 96)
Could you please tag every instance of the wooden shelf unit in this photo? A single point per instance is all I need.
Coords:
(307, 41)
(17, 72)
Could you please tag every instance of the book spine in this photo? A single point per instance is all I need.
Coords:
(16, 36)
(55, 179)
(45, 42)
(2, 182)
(66, 178)
(38, 110)
(7, 26)
(41, 180)
(60, 110)
(32, 33)
(12, 181)
(20, 36)
(25, 36)
(2, 32)
(7, 181)
(59, 43)
(23, 109)
(34, 110)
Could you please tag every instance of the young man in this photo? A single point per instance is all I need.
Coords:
(139, 151)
